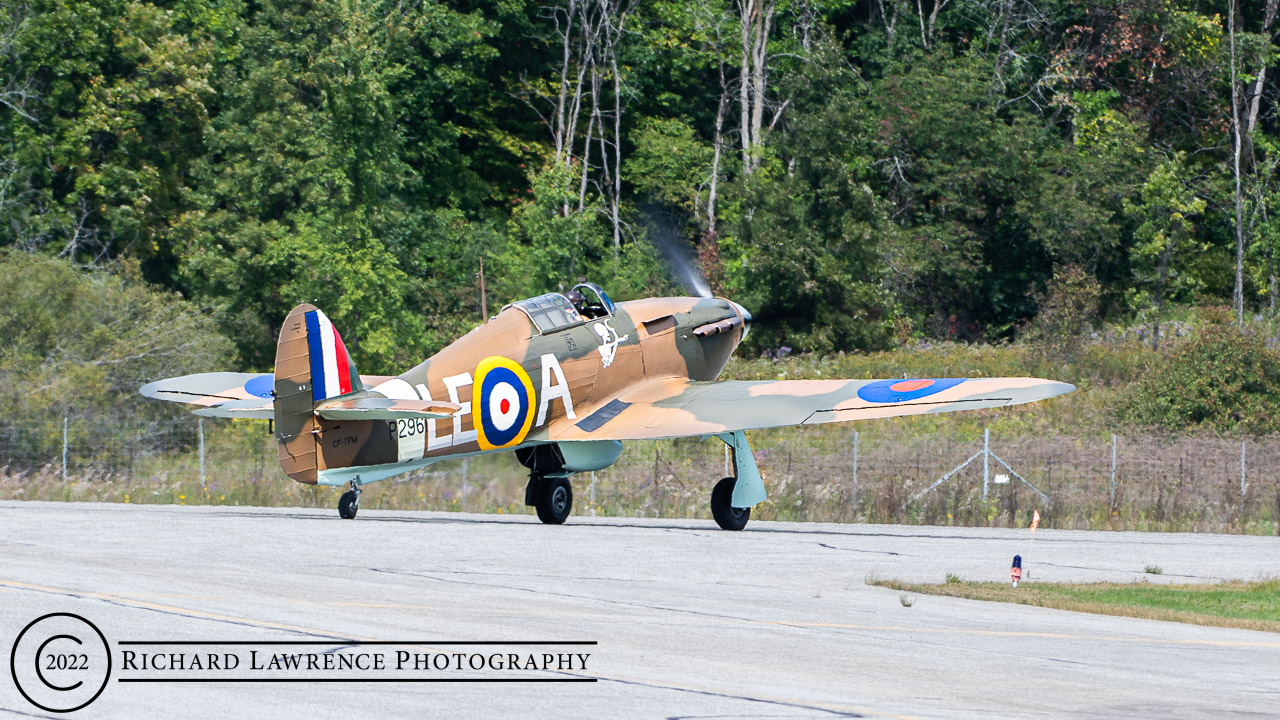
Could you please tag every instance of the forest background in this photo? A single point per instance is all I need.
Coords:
(994, 186)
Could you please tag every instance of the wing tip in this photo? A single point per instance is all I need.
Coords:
(1060, 388)
(1043, 391)
(148, 390)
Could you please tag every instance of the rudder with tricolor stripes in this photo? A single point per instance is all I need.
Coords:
(312, 366)
(332, 372)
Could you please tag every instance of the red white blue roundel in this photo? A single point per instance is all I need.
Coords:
(262, 386)
(502, 400)
(897, 391)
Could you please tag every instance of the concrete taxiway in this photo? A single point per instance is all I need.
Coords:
(773, 622)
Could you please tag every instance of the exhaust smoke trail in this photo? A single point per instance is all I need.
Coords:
(663, 232)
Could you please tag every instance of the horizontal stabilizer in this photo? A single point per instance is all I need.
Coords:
(251, 409)
(376, 408)
(218, 388)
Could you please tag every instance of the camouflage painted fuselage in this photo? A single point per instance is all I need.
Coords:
(511, 380)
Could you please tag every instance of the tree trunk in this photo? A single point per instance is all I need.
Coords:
(759, 58)
(614, 38)
(1238, 299)
(586, 62)
(933, 16)
(586, 163)
(589, 33)
(717, 145)
(924, 39)
(1163, 267)
(756, 26)
(747, 9)
(1255, 98)
(558, 126)
(889, 22)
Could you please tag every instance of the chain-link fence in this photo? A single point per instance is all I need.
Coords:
(832, 473)
(1131, 483)
(78, 448)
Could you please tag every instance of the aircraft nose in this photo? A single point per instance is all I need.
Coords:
(746, 318)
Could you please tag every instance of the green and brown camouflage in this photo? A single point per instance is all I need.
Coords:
(560, 384)
(573, 370)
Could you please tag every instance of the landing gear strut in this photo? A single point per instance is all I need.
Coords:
(551, 496)
(727, 516)
(349, 503)
(746, 487)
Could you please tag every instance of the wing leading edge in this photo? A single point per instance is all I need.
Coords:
(675, 407)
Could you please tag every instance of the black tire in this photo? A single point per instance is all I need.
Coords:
(555, 500)
(727, 516)
(348, 505)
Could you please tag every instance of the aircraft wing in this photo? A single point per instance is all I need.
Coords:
(675, 407)
(226, 394)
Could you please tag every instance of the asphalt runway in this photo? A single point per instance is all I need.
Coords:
(690, 621)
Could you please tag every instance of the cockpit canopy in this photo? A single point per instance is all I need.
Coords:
(597, 302)
(554, 311)
(549, 312)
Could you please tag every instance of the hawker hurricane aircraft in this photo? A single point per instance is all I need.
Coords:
(562, 380)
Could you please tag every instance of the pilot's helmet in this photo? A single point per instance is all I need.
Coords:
(577, 298)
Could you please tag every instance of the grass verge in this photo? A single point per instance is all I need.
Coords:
(1245, 605)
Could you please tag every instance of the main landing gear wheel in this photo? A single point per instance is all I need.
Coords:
(727, 516)
(349, 503)
(554, 500)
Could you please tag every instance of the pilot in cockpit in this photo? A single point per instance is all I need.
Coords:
(585, 308)
(579, 302)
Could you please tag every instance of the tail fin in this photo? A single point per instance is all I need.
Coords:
(310, 353)
(332, 372)
(312, 366)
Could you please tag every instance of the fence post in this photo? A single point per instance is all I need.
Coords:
(1243, 485)
(986, 460)
(1113, 473)
(64, 448)
(855, 467)
(200, 431)
(464, 483)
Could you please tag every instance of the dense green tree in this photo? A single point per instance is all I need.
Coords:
(101, 149)
(859, 173)
(311, 191)
(1218, 380)
(963, 172)
(79, 345)
(805, 254)
(1165, 212)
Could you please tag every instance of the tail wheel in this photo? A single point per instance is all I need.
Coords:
(554, 501)
(727, 516)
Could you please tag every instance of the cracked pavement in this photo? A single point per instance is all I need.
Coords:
(691, 622)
